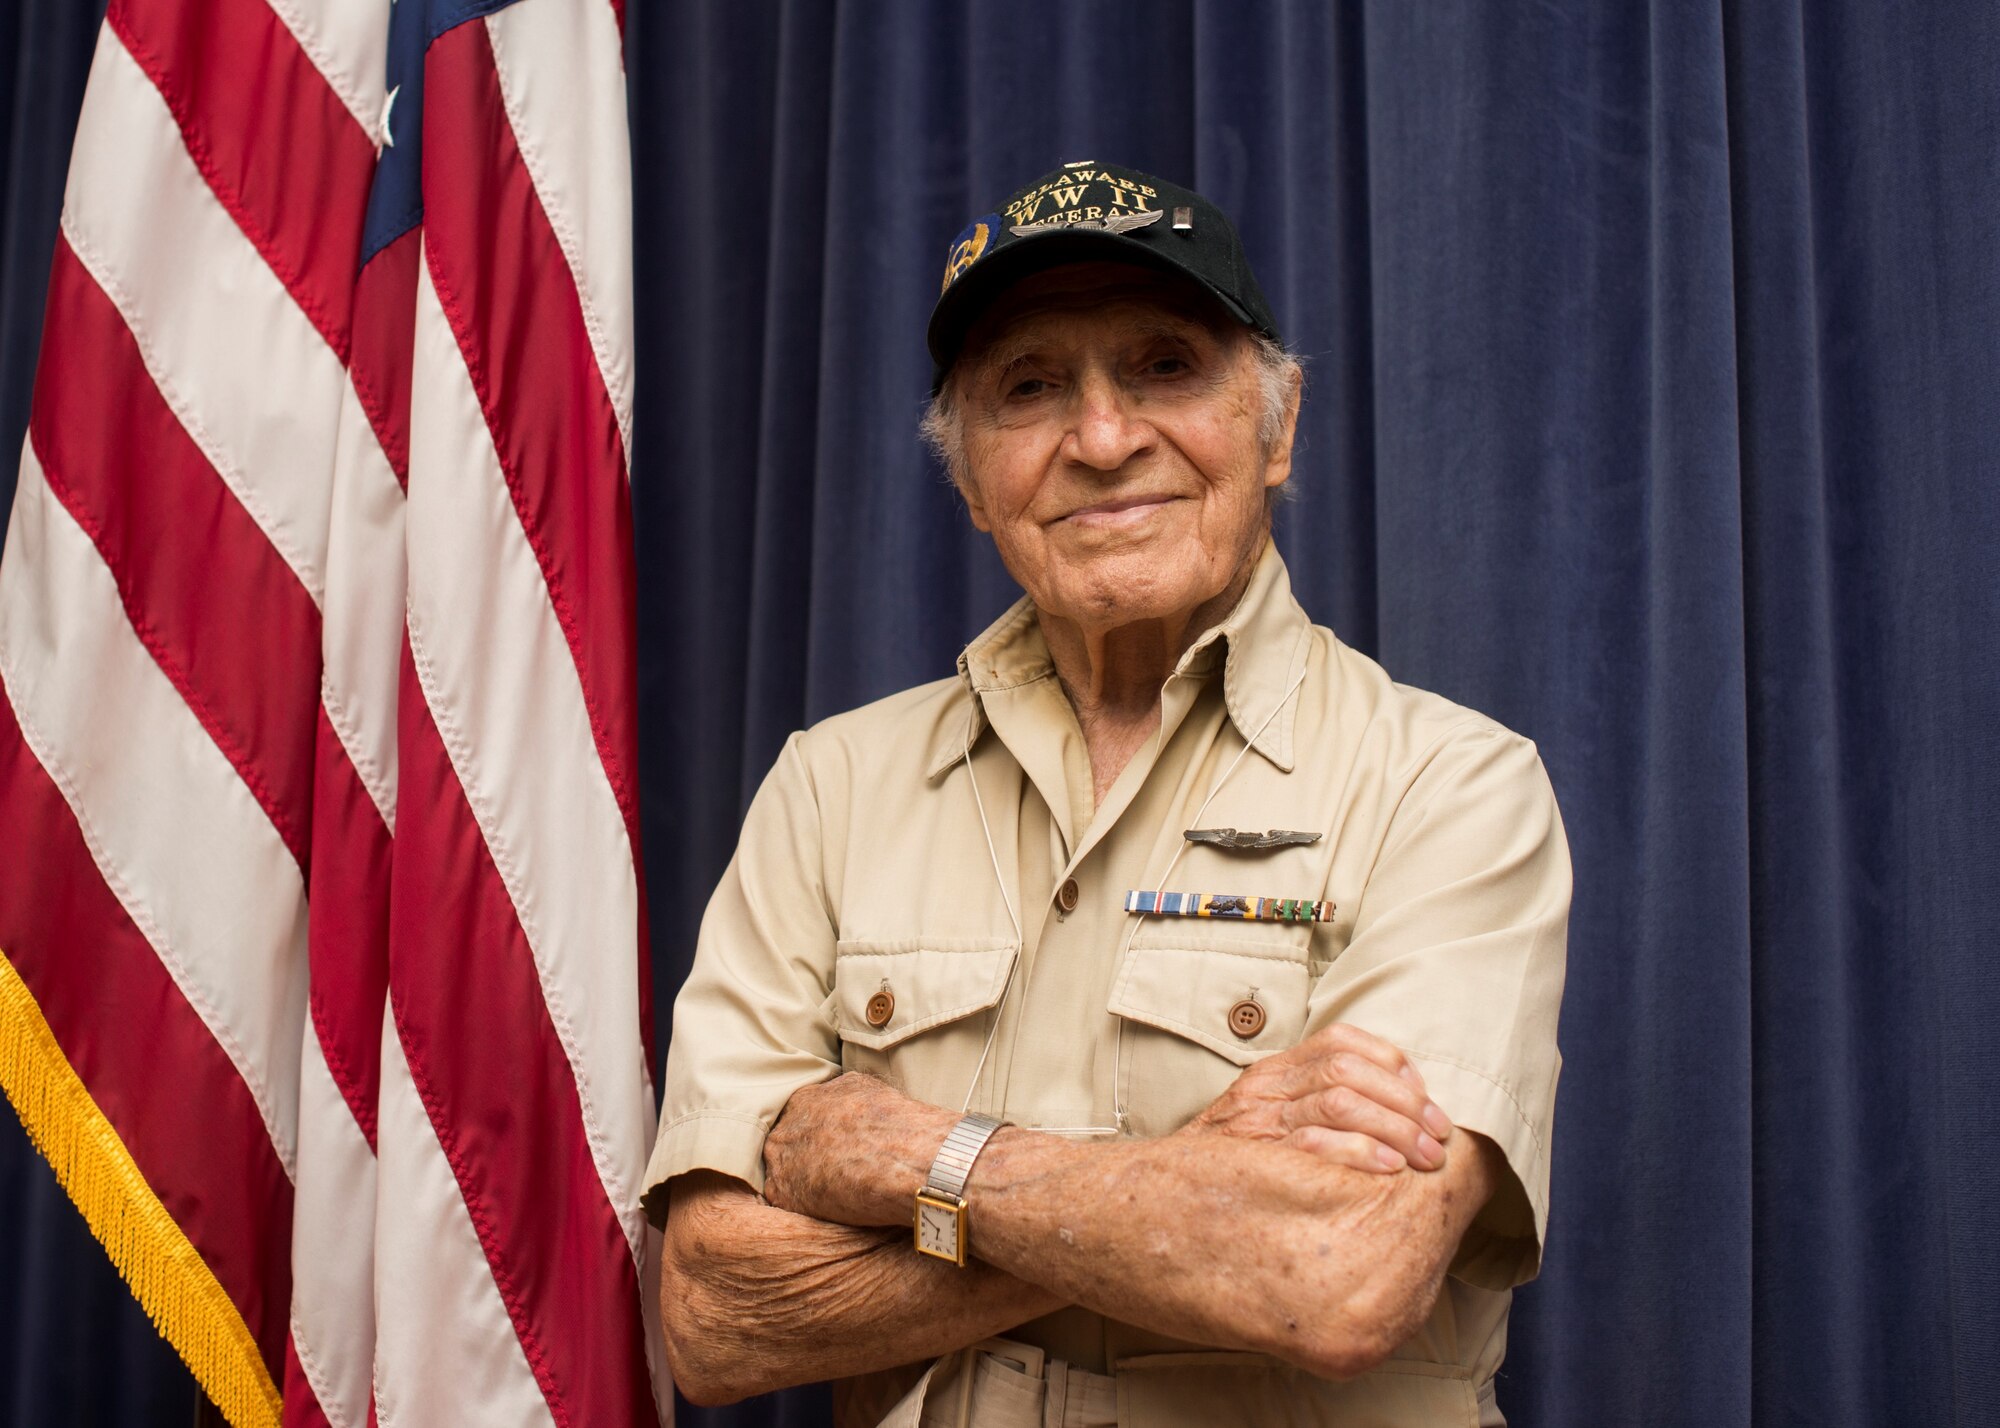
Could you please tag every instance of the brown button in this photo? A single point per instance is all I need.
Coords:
(1066, 895)
(882, 1006)
(1246, 1018)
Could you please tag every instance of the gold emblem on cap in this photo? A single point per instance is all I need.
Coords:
(964, 254)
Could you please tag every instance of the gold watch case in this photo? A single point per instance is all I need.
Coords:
(939, 1226)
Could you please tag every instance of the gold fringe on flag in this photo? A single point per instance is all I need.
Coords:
(178, 1291)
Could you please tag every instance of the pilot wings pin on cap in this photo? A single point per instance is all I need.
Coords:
(1088, 211)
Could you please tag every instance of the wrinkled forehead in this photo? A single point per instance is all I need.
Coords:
(1078, 299)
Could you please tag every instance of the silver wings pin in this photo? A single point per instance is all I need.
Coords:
(1237, 842)
(1116, 223)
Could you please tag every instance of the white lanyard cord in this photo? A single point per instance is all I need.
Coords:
(1020, 941)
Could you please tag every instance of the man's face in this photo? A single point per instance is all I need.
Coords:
(1113, 446)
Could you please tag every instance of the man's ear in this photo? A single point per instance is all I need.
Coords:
(1278, 460)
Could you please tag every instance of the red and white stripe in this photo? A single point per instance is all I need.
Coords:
(517, 784)
(231, 649)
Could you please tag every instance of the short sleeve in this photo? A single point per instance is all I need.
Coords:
(1457, 957)
(749, 1024)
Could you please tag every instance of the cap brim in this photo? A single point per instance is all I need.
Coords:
(965, 300)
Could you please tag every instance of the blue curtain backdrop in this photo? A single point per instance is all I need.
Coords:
(1652, 409)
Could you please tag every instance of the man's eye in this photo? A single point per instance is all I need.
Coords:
(1167, 366)
(1028, 387)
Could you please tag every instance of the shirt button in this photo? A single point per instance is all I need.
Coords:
(1066, 895)
(881, 1007)
(1246, 1018)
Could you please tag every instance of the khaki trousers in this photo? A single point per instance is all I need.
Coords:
(1002, 1384)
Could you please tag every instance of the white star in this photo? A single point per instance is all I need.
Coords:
(388, 108)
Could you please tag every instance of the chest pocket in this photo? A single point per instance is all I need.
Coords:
(1195, 1016)
(916, 1011)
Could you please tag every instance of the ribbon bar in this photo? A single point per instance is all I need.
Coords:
(1248, 909)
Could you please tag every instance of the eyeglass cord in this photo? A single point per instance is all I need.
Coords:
(1020, 941)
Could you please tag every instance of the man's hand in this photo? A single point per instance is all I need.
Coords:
(1342, 1094)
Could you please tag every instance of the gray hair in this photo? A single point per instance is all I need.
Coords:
(1278, 371)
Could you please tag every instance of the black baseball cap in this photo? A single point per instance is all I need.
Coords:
(1087, 211)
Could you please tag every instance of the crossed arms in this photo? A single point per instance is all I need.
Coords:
(1308, 1213)
(1270, 1223)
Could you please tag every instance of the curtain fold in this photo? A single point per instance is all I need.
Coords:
(1650, 409)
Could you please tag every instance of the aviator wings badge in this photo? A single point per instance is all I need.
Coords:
(1235, 842)
(1112, 223)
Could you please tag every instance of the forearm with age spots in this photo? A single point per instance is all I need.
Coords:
(1242, 1245)
(1204, 1235)
(755, 1298)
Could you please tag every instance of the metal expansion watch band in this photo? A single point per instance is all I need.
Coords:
(955, 1156)
(940, 1224)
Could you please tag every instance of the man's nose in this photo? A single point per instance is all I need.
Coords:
(1105, 432)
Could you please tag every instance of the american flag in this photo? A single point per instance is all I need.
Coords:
(322, 964)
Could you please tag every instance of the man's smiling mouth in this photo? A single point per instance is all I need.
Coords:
(1125, 511)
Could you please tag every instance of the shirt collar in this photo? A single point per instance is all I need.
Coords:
(1261, 645)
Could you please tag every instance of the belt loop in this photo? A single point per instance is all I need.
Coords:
(965, 1378)
(1055, 1394)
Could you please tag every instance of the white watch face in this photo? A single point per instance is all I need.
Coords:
(937, 1231)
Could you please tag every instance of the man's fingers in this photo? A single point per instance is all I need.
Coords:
(1344, 1108)
(1344, 1036)
(1349, 1148)
(1310, 1057)
(1349, 1081)
(1368, 1078)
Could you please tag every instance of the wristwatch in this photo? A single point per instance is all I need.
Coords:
(940, 1215)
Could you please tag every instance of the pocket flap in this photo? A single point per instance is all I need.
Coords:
(929, 982)
(1191, 991)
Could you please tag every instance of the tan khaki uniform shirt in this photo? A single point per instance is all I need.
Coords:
(864, 867)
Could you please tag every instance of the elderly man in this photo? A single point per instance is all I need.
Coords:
(1155, 1022)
